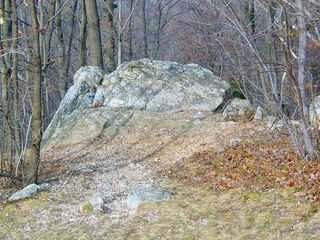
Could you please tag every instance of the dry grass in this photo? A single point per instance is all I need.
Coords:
(229, 181)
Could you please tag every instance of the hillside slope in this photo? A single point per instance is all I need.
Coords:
(148, 151)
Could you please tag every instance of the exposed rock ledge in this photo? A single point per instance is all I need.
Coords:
(98, 104)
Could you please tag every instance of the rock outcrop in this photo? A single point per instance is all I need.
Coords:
(97, 103)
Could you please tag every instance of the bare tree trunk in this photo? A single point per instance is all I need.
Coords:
(48, 39)
(302, 60)
(94, 36)
(130, 32)
(158, 32)
(120, 33)
(45, 42)
(7, 28)
(302, 65)
(6, 106)
(83, 35)
(144, 25)
(66, 66)
(4, 62)
(43, 54)
(15, 59)
(61, 51)
(110, 61)
(34, 160)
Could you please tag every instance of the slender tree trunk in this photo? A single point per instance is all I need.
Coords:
(302, 59)
(46, 61)
(83, 35)
(158, 32)
(43, 54)
(15, 60)
(48, 39)
(5, 69)
(61, 51)
(144, 25)
(130, 33)
(302, 65)
(34, 160)
(120, 33)
(94, 36)
(68, 42)
(276, 46)
(7, 29)
(110, 61)
(6, 105)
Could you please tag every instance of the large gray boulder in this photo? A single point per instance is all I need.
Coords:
(97, 102)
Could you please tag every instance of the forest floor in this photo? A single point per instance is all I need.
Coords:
(229, 180)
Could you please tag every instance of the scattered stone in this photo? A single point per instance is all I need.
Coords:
(146, 194)
(299, 194)
(96, 203)
(237, 107)
(260, 113)
(199, 116)
(44, 187)
(27, 192)
(235, 142)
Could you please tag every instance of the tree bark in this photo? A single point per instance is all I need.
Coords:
(34, 160)
(130, 33)
(302, 65)
(144, 25)
(120, 33)
(15, 60)
(83, 35)
(5, 70)
(61, 51)
(110, 61)
(69, 41)
(94, 36)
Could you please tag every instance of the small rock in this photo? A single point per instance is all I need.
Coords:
(109, 199)
(235, 142)
(44, 187)
(237, 107)
(146, 194)
(274, 122)
(199, 116)
(96, 202)
(260, 113)
(105, 209)
(299, 194)
(27, 192)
